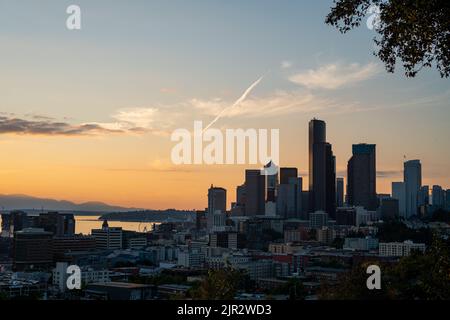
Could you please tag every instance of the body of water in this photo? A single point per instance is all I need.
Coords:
(84, 224)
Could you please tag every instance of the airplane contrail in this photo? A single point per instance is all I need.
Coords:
(238, 101)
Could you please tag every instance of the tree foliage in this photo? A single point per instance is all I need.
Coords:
(397, 231)
(418, 276)
(416, 32)
(220, 284)
(293, 288)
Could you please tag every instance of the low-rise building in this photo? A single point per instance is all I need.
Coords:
(120, 291)
(399, 249)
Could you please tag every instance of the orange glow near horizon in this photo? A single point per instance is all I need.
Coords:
(92, 169)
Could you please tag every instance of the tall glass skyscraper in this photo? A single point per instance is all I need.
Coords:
(217, 202)
(322, 170)
(340, 192)
(413, 181)
(255, 188)
(361, 177)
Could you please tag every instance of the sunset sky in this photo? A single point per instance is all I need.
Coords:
(87, 115)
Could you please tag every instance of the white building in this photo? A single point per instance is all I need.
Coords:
(363, 217)
(326, 235)
(362, 244)
(88, 275)
(191, 259)
(399, 249)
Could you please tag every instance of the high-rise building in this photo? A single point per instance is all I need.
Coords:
(424, 196)
(447, 200)
(340, 192)
(413, 181)
(71, 244)
(346, 216)
(305, 205)
(33, 247)
(322, 170)
(271, 183)
(389, 208)
(398, 192)
(318, 219)
(330, 182)
(255, 187)
(60, 224)
(286, 174)
(289, 200)
(18, 220)
(438, 197)
(217, 204)
(361, 176)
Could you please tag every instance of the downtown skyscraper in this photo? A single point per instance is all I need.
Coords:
(217, 204)
(255, 188)
(361, 177)
(322, 170)
(413, 181)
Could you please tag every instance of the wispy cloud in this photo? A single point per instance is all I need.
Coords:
(334, 76)
(168, 90)
(286, 64)
(389, 173)
(139, 120)
(278, 103)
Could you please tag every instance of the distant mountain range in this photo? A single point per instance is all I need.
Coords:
(24, 202)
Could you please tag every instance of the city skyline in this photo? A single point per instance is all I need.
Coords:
(66, 126)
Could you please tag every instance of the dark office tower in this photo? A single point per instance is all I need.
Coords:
(240, 195)
(438, 197)
(286, 174)
(322, 170)
(57, 223)
(289, 200)
(271, 183)
(447, 200)
(340, 192)
(413, 181)
(330, 182)
(424, 196)
(32, 247)
(389, 209)
(305, 205)
(18, 220)
(255, 187)
(361, 177)
(217, 201)
(316, 155)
